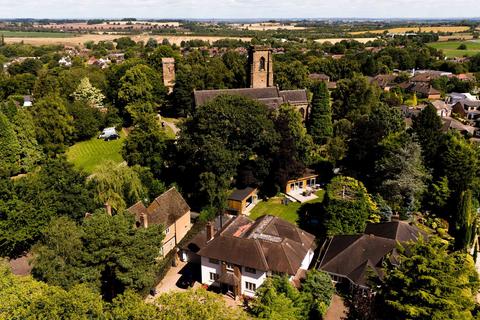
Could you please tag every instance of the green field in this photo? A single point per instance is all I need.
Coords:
(449, 48)
(275, 207)
(86, 155)
(34, 34)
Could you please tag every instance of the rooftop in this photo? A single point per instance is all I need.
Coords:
(268, 244)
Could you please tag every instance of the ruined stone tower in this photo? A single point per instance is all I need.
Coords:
(168, 68)
(261, 67)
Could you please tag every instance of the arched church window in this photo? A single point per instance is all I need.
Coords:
(262, 64)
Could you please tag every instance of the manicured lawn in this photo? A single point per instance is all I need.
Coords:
(449, 48)
(275, 207)
(86, 155)
(33, 34)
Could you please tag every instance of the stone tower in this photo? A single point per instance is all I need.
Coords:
(261, 67)
(168, 68)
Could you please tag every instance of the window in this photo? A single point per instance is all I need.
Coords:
(250, 286)
(229, 267)
(250, 270)
(213, 261)
(213, 276)
(261, 66)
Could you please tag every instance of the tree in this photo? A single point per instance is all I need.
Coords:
(146, 143)
(141, 84)
(28, 204)
(354, 97)
(9, 148)
(195, 304)
(320, 119)
(88, 94)
(107, 252)
(291, 75)
(118, 186)
(347, 207)
(427, 126)
(30, 151)
(225, 136)
(368, 131)
(269, 303)
(54, 124)
(295, 147)
(25, 298)
(429, 283)
(318, 290)
(87, 120)
(401, 174)
(465, 221)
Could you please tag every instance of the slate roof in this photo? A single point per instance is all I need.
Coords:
(351, 256)
(267, 244)
(384, 80)
(241, 194)
(270, 96)
(165, 209)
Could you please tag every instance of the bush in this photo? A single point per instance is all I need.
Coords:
(463, 46)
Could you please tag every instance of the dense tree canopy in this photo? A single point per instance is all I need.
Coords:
(429, 283)
(105, 252)
(347, 207)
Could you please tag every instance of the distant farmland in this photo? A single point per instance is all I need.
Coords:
(453, 29)
(73, 40)
(34, 34)
(450, 48)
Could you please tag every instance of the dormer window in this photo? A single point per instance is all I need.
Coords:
(261, 66)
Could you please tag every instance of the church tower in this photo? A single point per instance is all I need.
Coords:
(261, 67)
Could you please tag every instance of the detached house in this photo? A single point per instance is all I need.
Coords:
(169, 210)
(241, 255)
(351, 258)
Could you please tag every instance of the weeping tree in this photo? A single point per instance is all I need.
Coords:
(117, 185)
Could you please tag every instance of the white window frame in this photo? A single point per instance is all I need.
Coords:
(250, 286)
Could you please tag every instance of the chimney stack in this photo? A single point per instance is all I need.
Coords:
(108, 208)
(143, 220)
(210, 231)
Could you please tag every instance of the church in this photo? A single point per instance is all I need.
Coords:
(261, 88)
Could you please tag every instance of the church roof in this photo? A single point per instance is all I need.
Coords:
(272, 97)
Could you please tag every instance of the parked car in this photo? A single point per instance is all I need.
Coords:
(186, 281)
(109, 134)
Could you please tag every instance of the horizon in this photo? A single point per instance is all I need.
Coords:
(240, 9)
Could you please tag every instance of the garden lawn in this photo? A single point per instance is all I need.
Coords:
(86, 155)
(450, 48)
(275, 207)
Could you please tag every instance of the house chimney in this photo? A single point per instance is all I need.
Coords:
(143, 220)
(108, 208)
(210, 231)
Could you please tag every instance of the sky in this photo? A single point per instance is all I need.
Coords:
(239, 9)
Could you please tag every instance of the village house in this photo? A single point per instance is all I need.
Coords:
(351, 258)
(241, 201)
(261, 88)
(467, 109)
(239, 257)
(169, 210)
(385, 81)
(316, 77)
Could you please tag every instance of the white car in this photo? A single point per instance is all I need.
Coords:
(109, 134)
